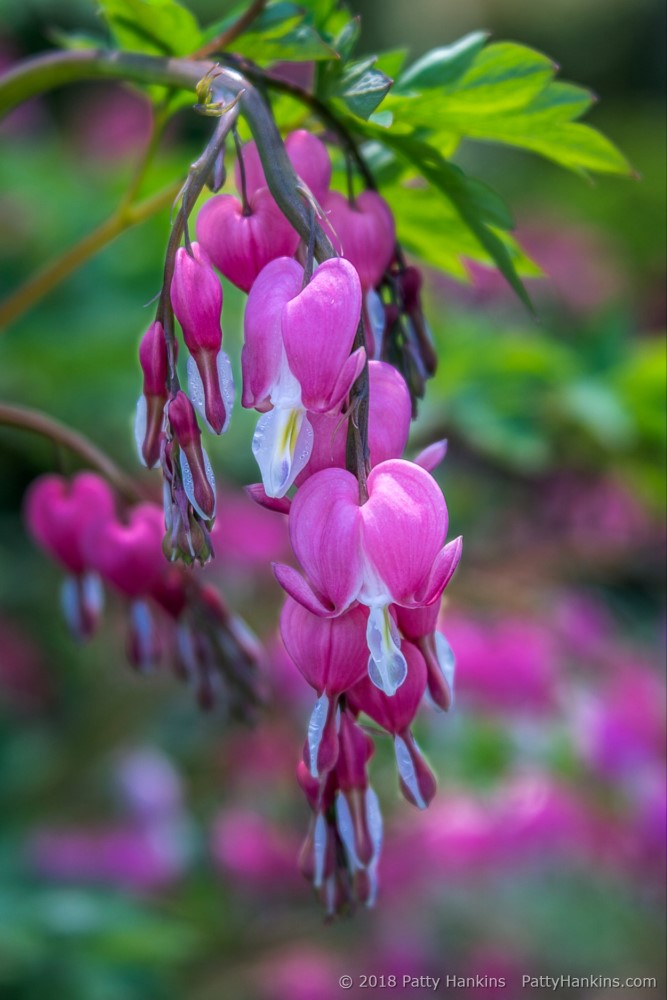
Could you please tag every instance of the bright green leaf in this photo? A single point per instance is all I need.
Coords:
(362, 88)
(158, 27)
(442, 66)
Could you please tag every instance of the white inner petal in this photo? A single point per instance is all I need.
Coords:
(140, 421)
(387, 667)
(345, 828)
(319, 849)
(446, 660)
(316, 725)
(282, 444)
(406, 769)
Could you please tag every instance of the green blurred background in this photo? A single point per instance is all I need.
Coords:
(546, 850)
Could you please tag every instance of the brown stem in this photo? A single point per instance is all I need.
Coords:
(27, 419)
(197, 177)
(225, 38)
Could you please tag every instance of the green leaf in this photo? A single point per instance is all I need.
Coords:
(158, 27)
(502, 76)
(362, 87)
(474, 203)
(76, 41)
(431, 228)
(442, 66)
(299, 44)
(275, 21)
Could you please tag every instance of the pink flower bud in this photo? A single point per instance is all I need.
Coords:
(308, 155)
(196, 296)
(57, 514)
(419, 626)
(150, 407)
(241, 245)
(364, 233)
(196, 471)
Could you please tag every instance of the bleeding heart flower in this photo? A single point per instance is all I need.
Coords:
(240, 244)
(128, 555)
(58, 514)
(308, 155)
(386, 551)
(296, 358)
(195, 467)
(364, 233)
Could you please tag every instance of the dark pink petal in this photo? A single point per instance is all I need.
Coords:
(279, 282)
(318, 328)
(325, 533)
(296, 587)
(196, 295)
(364, 233)
(404, 526)
(256, 492)
(331, 653)
(442, 571)
(348, 375)
(241, 245)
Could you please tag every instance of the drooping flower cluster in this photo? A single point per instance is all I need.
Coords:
(335, 354)
(78, 525)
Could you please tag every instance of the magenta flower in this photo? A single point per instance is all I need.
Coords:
(308, 155)
(386, 551)
(240, 243)
(296, 359)
(395, 714)
(196, 296)
(58, 515)
(363, 232)
(150, 407)
(331, 654)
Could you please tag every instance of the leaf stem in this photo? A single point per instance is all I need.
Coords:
(24, 418)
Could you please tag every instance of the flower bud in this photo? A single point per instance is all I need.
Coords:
(195, 467)
(196, 296)
(150, 407)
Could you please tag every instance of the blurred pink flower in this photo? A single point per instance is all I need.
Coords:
(304, 973)
(507, 666)
(247, 848)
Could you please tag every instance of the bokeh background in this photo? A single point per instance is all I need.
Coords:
(148, 849)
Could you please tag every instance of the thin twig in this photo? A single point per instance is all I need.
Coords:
(225, 38)
(24, 418)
